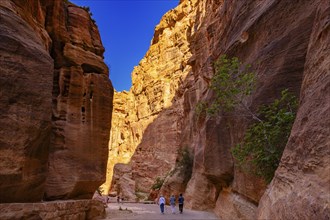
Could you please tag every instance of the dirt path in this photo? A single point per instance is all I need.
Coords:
(152, 211)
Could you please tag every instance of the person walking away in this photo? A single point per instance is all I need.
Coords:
(181, 200)
(161, 203)
(108, 198)
(172, 203)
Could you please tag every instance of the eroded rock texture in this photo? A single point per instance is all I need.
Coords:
(121, 149)
(82, 106)
(302, 181)
(70, 209)
(149, 121)
(287, 44)
(56, 102)
(26, 108)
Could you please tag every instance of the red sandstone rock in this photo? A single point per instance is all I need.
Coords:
(274, 36)
(81, 109)
(275, 42)
(56, 102)
(79, 209)
(25, 103)
(231, 205)
(147, 109)
(300, 189)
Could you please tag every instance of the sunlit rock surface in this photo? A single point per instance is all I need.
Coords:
(287, 45)
(122, 136)
(146, 119)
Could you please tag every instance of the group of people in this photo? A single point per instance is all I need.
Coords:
(162, 203)
(120, 200)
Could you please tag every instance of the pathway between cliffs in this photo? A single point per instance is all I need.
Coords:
(151, 211)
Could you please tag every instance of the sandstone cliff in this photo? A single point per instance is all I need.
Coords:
(145, 121)
(287, 44)
(56, 102)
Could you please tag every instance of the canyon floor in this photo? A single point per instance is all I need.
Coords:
(152, 211)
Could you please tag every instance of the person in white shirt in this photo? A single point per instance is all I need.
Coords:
(161, 203)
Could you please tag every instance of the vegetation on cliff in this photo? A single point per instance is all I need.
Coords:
(158, 183)
(184, 164)
(264, 141)
(183, 167)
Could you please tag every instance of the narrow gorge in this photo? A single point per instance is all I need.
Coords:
(287, 44)
(65, 131)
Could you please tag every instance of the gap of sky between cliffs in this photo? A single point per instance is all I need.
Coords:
(126, 28)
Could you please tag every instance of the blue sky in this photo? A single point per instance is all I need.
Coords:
(126, 28)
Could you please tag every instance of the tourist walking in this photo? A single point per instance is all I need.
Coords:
(181, 200)
(172, 203)
(161, 203)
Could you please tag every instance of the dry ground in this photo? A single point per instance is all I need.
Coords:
(152, 211)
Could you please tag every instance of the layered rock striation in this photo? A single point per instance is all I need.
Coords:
(146, 122)
(69, 209)
(302, 180)
(26, 107)
(56, 102)
(287, 45)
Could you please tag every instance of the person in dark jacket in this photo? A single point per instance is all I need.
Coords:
(181, 200)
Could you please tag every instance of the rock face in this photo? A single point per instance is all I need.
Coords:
(121, 138)
(26, 108)
(288, 47)
(78, 209)
(302, 180)
(146, 120)
(275, 43)
(56, 102)
(82, 106)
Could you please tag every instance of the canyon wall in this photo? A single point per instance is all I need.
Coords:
(146, 122)
(55, 101)
(287, 43)
(69, 209)
(302, 181)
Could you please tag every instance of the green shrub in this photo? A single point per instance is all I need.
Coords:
(158, 183)
(200, 108)
(87, 9)
(100, 191)
(264, 141)
(261, 150)
(231, 83)
(185, 159)
(184, 163)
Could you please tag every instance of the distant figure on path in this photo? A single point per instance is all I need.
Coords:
(118, 199)
(161, 203)
(181, 200)
(172, 203)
